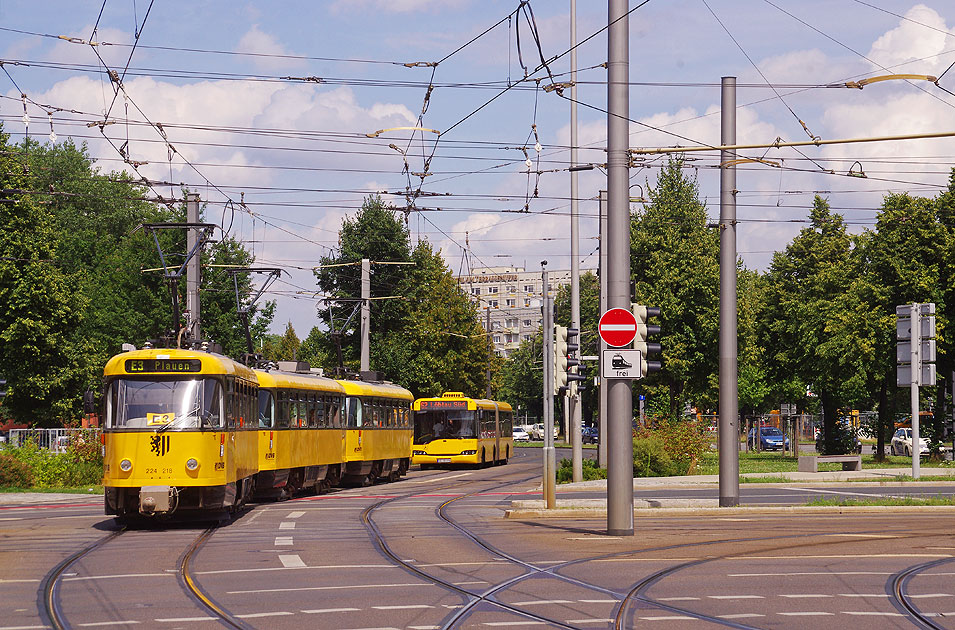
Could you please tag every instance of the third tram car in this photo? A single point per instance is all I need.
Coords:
(378, 431)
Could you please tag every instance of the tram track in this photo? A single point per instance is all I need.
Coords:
(899, 593)
(51, 585)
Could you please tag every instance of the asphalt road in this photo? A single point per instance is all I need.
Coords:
(433, 551)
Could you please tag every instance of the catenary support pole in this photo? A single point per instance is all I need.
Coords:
(574, 399)
(916, 371)
(602, 410)
(729, 392)
(193, 270)
(365, 363)
(549, 482)
(490, 351)
(619, 396)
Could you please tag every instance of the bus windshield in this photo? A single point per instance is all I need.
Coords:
(164, 405)
(436, 425)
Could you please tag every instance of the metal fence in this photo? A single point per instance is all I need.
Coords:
(55, 440)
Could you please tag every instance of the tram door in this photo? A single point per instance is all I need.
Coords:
(497, 432)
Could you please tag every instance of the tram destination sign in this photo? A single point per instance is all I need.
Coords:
(433, 405)
(164, 366)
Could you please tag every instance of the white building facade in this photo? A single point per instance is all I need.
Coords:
(513, 297)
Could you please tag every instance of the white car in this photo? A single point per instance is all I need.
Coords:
(520, 435)
(902, 443)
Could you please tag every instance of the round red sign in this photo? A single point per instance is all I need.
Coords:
(617, 327)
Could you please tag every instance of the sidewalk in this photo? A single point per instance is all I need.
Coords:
(570, 507)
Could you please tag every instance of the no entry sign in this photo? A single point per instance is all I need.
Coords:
(617, 327)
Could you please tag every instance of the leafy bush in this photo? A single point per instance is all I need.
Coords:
(14, 473)
(81, 465)
(683, 442)
(589, 471)
(650, 458)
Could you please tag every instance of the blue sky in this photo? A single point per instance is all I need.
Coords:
(296, 150)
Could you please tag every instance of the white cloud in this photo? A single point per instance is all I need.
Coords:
(259, 42)
(397, 6)
(913, 41)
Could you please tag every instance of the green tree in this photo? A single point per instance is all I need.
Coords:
(674, 263)
(40, 357)
(589, 339)
(810, 338)
(522, 377)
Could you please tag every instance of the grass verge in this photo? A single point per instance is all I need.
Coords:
(45, 490)
(888, 501)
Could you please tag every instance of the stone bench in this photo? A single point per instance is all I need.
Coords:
(810, 463)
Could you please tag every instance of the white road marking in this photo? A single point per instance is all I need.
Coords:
(469, 583)
(291, 561)
(335, 567)
(110, 577)
(807, 613)
(538, 602)
(806, 595)
(18, 582)
(798, 573)
(320, 588)
(319, 611)
(184, 619)
(25, 627)
(863, 594)
(280, 613)
(107, 623)
(679, 599)
(18, 518)
(844, 556)
(927, 595)
(589, 621)
(514, 623)
(735, 597)
(864, 535)
(283, 540)
(295, 514)
(597, 601)
(740, 616)
(287, 525)
(424, 627)
(667, 618)
(406, 607)
(873, 614)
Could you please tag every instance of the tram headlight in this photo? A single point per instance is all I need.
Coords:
(469, 452)
(192, 464)
(125, 465)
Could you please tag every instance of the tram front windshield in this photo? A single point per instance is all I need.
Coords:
(436, 425)
(172, 405)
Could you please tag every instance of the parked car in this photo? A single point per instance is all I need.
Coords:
(520, 435)
(537, 431)
(770, 439)
(589, 435)
(902, 443)
(61, 444)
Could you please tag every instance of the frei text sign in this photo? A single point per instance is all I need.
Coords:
(617, 327)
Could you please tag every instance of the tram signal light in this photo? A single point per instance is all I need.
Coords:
(561, 347)
(644, 331)
(573, 360)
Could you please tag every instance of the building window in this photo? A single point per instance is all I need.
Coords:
(510, 303)
(528, 288)
(493, 303)
(497, 339)
(527, 323)
(511, 323)
(492, 290)
(527, 302)
(476, 291)
(511, 289)
(511, 338)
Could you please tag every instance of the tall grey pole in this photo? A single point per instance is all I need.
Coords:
(916, 371)
(619, 396)
(729, 392)
(490, 349)
(549, 482)
(602, 431)
(574, 399)
(193, 271)
(365, 363)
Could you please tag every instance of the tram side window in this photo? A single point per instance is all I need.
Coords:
(355, 413)
(266, 409)
(334, 412)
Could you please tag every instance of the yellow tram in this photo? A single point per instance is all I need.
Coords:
(301, 433)
(180, 432)
(455, 429)
(378, 431)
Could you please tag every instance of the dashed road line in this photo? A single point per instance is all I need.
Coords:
(735, 597)
(184, 619)
(287, 525)
(283, 540)
(807, 596)
(404, 607)
(280, 613)
(296, 514)
(320, 611)
(807, 613)
(291, 561)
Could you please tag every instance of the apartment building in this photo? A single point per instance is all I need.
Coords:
(513, 297)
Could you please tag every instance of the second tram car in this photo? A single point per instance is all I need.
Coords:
(455, 429)
(301, 433)
(378, 435)
(179, 433)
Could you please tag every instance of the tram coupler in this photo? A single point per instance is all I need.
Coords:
(155, 499)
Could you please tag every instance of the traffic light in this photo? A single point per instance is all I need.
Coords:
(644, 330)
(560, 359)
(573, 360)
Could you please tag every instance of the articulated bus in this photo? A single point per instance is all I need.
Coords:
(455, 429)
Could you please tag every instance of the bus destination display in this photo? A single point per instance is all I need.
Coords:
(435, 405)
(172, 366)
